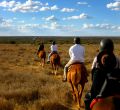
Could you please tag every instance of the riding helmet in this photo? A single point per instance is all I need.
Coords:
(106, 45)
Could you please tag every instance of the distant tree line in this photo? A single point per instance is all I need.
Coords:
(48, 40)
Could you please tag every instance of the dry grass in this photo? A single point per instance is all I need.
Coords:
(27, 86)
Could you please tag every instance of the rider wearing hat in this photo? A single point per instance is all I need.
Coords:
(103, 63)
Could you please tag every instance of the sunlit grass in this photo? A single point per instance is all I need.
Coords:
(25, 85)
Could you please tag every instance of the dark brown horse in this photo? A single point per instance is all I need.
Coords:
(108, 103)
(75, 77)
(42, 55)
(55, 62)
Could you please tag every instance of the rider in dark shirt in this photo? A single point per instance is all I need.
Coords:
(41, 47)
(104, 63)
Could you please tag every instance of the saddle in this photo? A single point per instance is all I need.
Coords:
(75, 63)
(54, 52)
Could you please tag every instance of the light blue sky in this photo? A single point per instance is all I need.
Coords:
(59, 17)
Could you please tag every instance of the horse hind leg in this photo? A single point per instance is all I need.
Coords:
(43, 63)
(40, 62)
(52, 68)
(56, 69)
(55, 72)
(77, 95)
(73, 92)
(80, 93)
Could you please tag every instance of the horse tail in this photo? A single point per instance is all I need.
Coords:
(56, 60)
(44, 54)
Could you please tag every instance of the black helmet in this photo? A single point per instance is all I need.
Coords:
(53, 42)
(77, 40)
(106, 45)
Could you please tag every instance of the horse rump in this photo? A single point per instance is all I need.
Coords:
(55, 59)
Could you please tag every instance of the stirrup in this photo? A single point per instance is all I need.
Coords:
(64, 80)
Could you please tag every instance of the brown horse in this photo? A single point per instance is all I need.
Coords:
(42, 55)
(108, 103)
(75, 77)
(55, 62)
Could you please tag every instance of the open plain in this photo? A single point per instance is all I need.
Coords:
(25, 85)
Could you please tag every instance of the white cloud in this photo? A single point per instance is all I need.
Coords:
(81, 16)
(86, 26)
(7, 4)
(54, 7)
(6, 22)
(101, 26)
(44, 9)
(54, 25)
(114, 6)
(51, 26)
(28, 6)
(67, 10)
(51, 18)
(82, 3)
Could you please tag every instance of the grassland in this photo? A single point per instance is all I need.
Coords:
(25, 85)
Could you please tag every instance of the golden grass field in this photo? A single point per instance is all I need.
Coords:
(25, 85)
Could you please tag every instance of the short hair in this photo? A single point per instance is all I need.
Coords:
(77, 40)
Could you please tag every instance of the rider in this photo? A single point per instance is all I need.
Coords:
(103, 63)
(41, 47)
(53, 48)
(76, 53)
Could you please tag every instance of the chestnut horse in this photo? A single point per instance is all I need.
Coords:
(55, 62)
(42, 55)
(108, 103)
(75, 77)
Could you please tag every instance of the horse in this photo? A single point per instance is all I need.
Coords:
(42, 55)
(107, 103)
(55, 62)
(75, 76)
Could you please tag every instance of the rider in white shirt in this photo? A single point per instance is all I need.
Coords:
(76, 53)
(53, 48)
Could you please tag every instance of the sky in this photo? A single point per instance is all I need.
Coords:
(59, 17)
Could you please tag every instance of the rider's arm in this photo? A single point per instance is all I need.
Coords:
(70, 52)
(98, 80)
(93, 66)
(51, 48)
